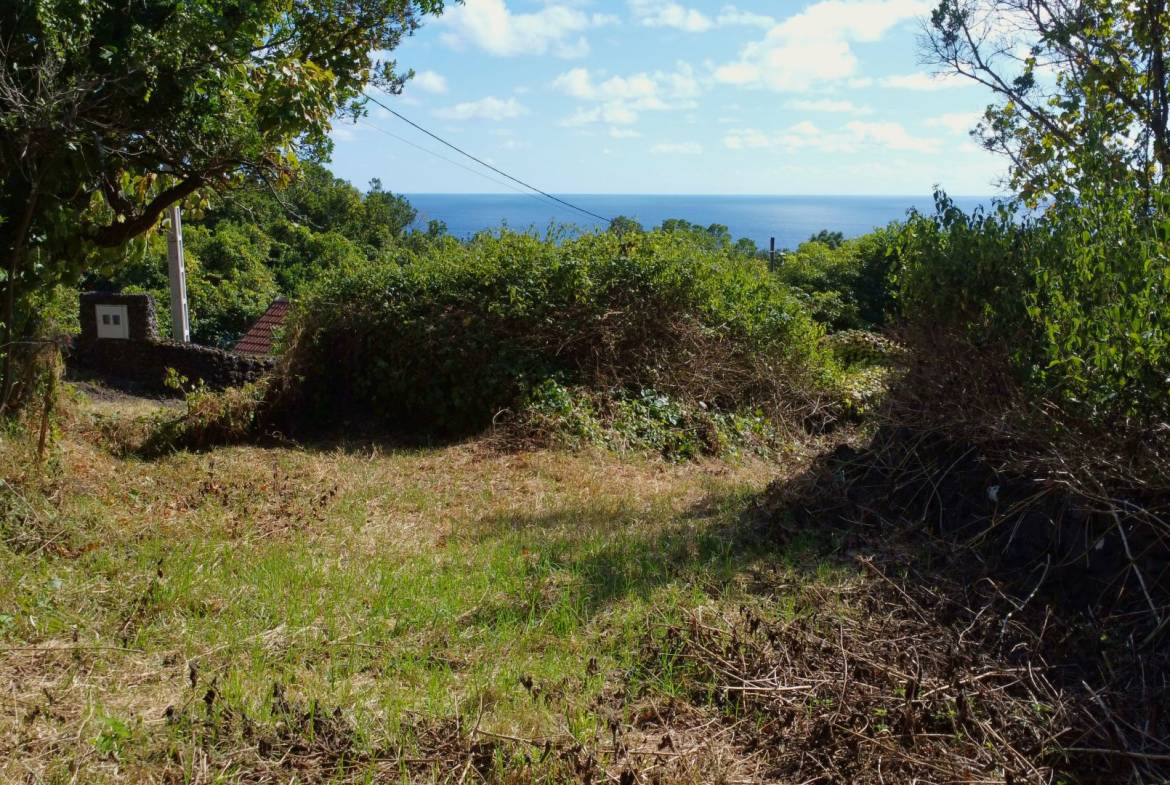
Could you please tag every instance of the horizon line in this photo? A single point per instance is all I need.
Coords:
(722, 195)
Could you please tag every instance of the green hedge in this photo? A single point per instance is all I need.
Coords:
(443, 341)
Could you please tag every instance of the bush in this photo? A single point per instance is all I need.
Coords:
(1076, 299)
(33, 354)
(845, 283)
(442, 343)
(211, 418)
(642, 420)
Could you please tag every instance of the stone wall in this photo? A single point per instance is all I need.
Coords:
(143, 360)
(145, 363)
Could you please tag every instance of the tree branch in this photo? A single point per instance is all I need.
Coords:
(119, 232)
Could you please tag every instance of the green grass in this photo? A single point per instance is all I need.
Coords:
(405, 589)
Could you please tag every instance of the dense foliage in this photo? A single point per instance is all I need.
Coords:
(112, 111)
(446, 340)
(1077, 297)
(845, 283)
(255, 244)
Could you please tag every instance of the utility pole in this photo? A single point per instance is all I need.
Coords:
(772, 256)
(180, 324)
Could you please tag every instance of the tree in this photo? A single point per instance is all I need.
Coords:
(1082, 86)
(624, 225)
(110, 112)
(255, 242)
(229, 283)
(715, 236)
(386, 216)
(827, 238)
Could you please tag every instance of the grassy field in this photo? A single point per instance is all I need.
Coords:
(357, 613)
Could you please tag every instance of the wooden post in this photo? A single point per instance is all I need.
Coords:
(772, 256)
(180, 324)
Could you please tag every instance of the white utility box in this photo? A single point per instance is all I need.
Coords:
(112, 322)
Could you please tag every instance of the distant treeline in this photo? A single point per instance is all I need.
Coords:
(257, 243)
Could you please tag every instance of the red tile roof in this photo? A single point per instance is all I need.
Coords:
(259, 339)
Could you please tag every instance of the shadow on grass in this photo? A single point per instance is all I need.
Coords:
(174, 434)
(593, 558)
(984, 576)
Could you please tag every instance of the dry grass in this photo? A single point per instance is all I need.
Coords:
(392, 586)
(357, 613)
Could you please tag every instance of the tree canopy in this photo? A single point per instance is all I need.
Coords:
(254, 243)
(112, 111)
(1082, 87)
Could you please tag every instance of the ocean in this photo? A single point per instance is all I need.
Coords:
(790, 219)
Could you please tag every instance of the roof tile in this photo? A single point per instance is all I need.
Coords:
(260, 338)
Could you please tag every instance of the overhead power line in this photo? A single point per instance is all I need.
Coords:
(441, 157)
(428, 151)
(481, 162)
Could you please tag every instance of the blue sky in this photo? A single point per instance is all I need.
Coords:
(658, 96)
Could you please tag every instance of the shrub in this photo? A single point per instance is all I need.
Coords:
(443, 342)
(1076, 299)
(33, 356)
(845, 283)
(967, 272)
(210, 418)
(1101, 306)
(626, 420)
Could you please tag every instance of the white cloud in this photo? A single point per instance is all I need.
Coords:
(891, 136)
(730, 16)
(430, 82)
(850, 138)
(747, 139)
(666, 13)
(677, 148)
(491, 26)
(737, 73)
(955, 122)
(578, 83)
(489, 108)
(813, 47)
(624, 133)
(619, 99)
(614, 113)
(921, 81)
(828, 105)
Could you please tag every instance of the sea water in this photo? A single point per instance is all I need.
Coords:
(790, 219)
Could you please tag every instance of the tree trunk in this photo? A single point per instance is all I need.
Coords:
(1157, 86)
(15, 256)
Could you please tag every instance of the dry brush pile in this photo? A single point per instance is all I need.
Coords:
(1003, 628)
